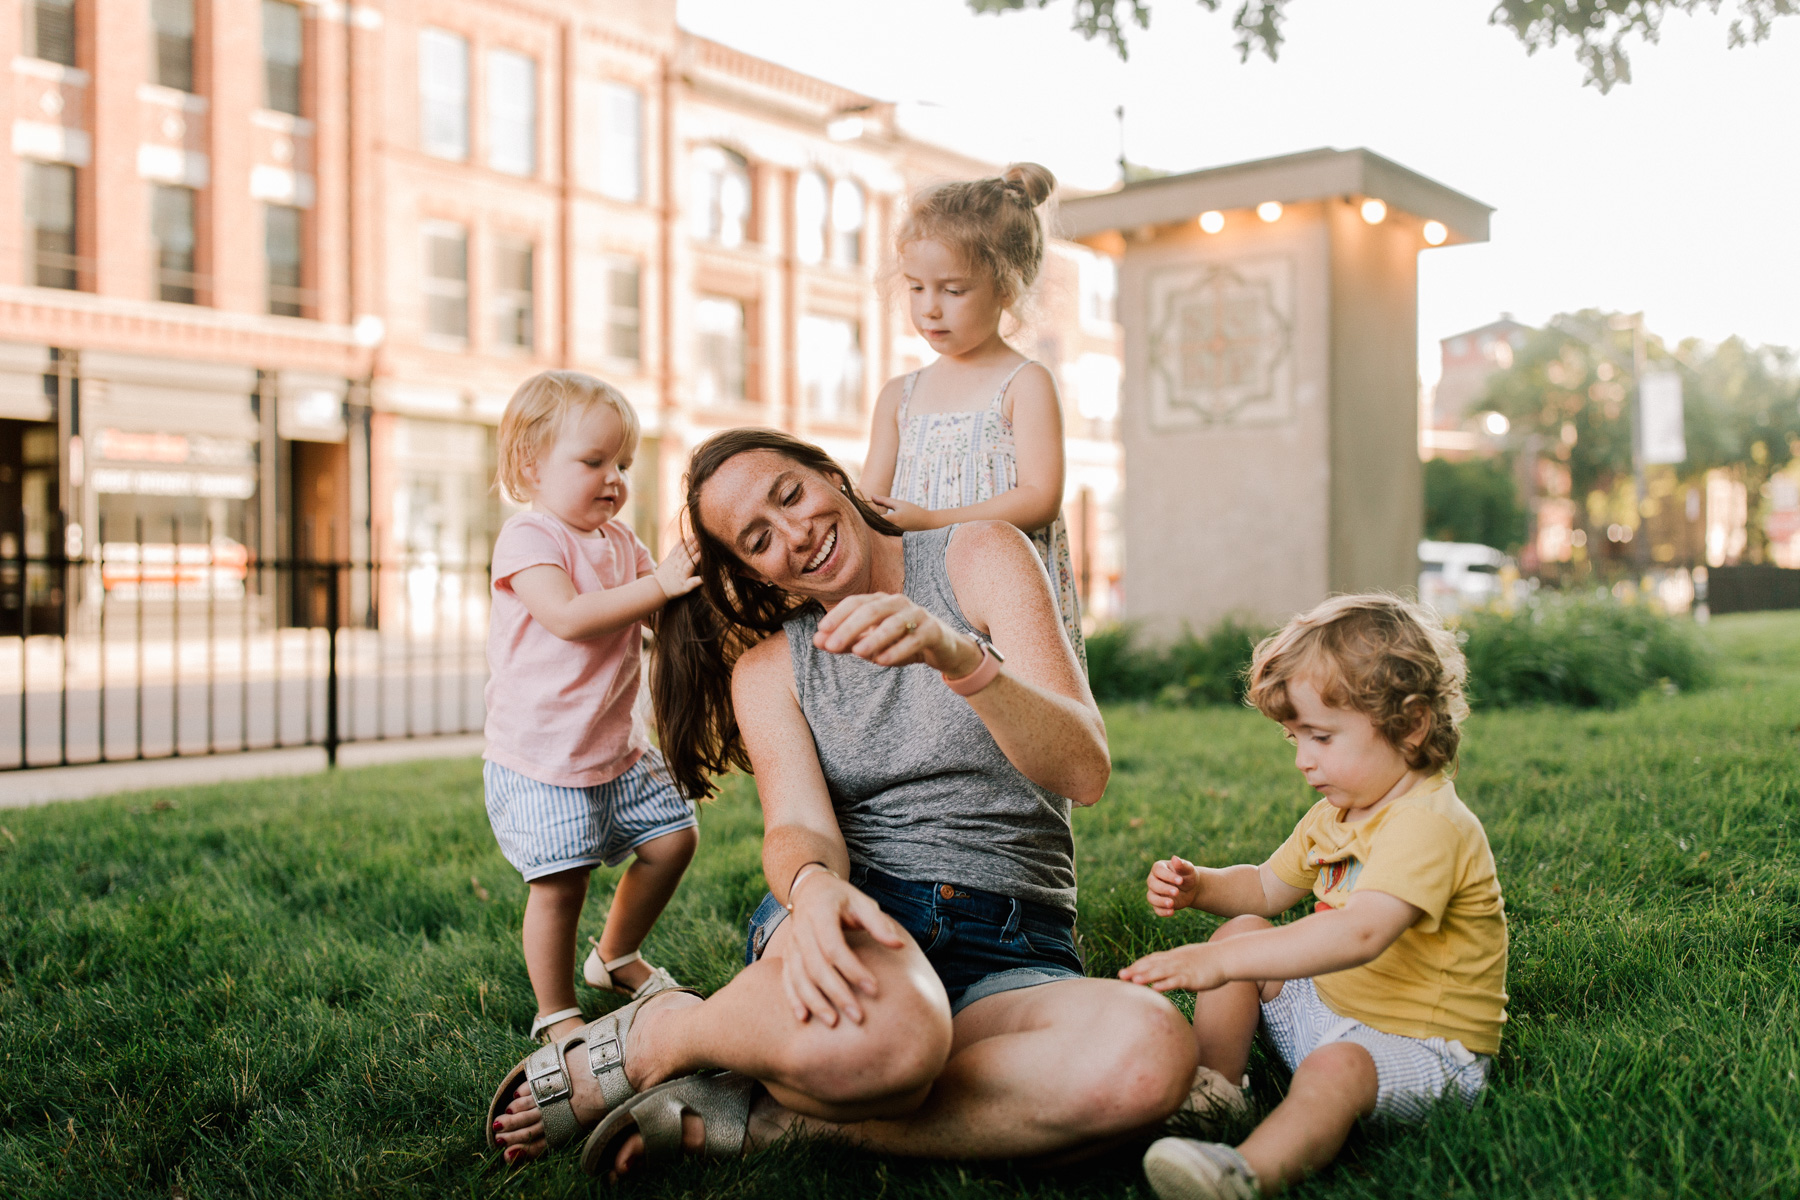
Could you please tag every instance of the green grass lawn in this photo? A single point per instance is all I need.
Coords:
(309, 987)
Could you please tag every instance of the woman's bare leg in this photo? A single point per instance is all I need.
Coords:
(1033, 1072)
(848, 1071)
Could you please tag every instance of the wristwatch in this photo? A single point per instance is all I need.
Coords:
(981, 676)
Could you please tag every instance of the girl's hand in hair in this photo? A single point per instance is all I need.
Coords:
(821, 975)
(676, 573)
(905, 514)
(891, 631)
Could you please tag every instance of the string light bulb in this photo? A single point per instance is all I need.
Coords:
(1212, 221)
(1269, 210)
(1374, 211)
(1435, 233)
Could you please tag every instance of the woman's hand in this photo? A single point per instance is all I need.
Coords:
(1186, 968)
(891, 631)
(819, 972)
(1174, 883)
(905, 514)
(676, 574)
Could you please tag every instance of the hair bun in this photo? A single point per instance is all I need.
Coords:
(1030, 181)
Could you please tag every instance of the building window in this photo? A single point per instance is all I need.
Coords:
(512, 112)
(50, 30)
(811, 210)
(831, 367)
(283, 52)
(50, 224)
(624, 313)
(848, 214)
(281, 250)
(512, 292)
(720, 351)
(621, 142)
(444, 94)
(174, 22)
(172, 229)
(447, 281)
(721, 210)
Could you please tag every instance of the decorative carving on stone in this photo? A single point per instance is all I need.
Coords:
(1221, 343)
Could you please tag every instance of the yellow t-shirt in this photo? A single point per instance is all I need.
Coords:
(1446, 975)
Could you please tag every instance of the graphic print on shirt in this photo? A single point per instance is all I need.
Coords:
(1336, 880)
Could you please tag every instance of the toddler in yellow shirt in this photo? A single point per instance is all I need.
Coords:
(1392, 994)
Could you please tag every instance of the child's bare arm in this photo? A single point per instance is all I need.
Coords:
(884, 441)
(1038, 440)
(549, 595)
(1176, 883)
(1317, 945)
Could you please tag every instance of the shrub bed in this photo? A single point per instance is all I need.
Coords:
(1574, 651)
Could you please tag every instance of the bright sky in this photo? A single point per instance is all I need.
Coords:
(1677, 194)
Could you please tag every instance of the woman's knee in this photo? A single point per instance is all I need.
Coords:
(895, 1052)
(1238, 926)
(1146, 1070)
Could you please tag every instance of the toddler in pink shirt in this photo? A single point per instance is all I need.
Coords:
(571, 778)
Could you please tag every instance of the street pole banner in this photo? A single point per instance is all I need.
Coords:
(1660, 411)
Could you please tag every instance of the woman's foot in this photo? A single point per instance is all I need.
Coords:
(520, 1129)
(768, 1123)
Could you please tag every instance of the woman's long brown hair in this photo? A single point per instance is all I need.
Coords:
(700, 636)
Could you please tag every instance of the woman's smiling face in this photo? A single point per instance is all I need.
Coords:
(788, 525)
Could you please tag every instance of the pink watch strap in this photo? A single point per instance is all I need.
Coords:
(980, 677)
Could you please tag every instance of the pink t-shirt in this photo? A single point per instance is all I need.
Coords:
(561, 712)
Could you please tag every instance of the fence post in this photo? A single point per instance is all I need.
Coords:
(331, 664)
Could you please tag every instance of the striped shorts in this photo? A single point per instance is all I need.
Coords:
(543, 828)
(1411, 1074)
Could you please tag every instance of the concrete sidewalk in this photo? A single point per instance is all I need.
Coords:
(47, 785)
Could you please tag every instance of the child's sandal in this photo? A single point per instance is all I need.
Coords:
(540, 1026)
(599, 974)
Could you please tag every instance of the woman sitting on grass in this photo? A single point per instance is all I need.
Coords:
(912, 982)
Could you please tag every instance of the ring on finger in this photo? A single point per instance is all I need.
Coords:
(911, 626)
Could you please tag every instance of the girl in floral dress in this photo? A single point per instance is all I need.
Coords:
(977, 435)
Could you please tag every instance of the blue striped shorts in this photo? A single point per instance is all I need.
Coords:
(543, 828)
(1411, 1074)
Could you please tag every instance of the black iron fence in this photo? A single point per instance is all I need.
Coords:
(144, 650)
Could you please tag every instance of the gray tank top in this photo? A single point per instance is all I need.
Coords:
(921, 790)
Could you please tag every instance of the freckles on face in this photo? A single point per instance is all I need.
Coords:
(784, 523)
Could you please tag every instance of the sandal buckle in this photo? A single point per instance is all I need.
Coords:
(550, 1086)
(605, 1054)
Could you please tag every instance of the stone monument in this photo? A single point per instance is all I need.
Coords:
(1270, 415)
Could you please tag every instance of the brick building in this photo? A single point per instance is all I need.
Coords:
(269, 271)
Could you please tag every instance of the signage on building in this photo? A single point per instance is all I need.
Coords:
(1661, 437)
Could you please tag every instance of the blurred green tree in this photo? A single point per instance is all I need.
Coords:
(1476, 500)
(1597, 29)
(1570, 389)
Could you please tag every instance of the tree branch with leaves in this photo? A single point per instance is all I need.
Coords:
(1598, 31)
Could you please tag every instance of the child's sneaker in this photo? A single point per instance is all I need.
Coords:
(1184, 1169)
(1215, 1099)
(599, 974)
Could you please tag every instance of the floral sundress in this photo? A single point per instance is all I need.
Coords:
(954, 459)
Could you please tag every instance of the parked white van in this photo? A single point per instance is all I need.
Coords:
(1454, 576)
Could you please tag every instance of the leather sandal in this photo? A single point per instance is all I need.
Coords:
(598, 974)
(720, 1099)
(545, 1071)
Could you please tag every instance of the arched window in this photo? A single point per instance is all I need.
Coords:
(810, 212)
(721, 211)
(848, 214)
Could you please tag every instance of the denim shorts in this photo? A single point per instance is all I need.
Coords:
(980, 944)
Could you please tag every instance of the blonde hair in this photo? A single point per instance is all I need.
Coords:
(993, 223)
(536, 413)
(1382, 656)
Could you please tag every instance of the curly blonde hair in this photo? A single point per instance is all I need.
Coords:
(1384, 657)
(536, 413)
(993, 223)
